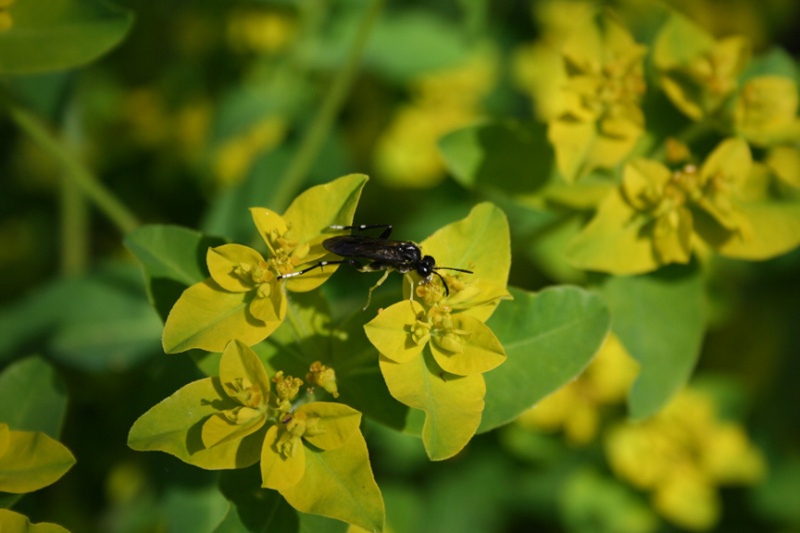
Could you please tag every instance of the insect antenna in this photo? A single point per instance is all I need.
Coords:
(446, 288)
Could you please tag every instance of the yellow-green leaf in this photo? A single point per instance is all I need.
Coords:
(784, 162)
(617, 240)
(224, 260)
(392, 331)
(481, 243)
(697, 72)
(339, 421)
(731, 160)
(339, 484)
(322, 206)
(219, 430)
(766, 111)
(11, 522)
(572, 141)
(480, 349)
(5, 437)
(47, 36)
(240, 366)
(174, 426)
(452, 404)
(268, 223)
(32, 460)
(279, 471)
(773, 229)
(207, 317)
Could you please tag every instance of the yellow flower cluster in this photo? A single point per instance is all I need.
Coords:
(681, 455)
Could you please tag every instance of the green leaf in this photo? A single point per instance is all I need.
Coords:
(774, 62)
(172, 258)
(208, 317)
(174, 425)
(253, 508)
(413, 42)
(339, 484)
(94, 322)
(32, 460)
(18, 523)
(304, 338)
(549, 338)
(660, 319)
(592, 503)
(32, 397)
(189, 507)
(358, 376)
(514, 159)
(171, 252)
(51, 35)
(452, 404)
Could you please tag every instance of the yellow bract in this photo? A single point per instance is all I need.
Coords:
(451, 327)
(698, 74)
(244, 299)
(657, 214)
(600, 120)
(766, 111)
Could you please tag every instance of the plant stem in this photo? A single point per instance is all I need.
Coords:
(74, 229)
(73, 169)
(315, 137)
(73, 212)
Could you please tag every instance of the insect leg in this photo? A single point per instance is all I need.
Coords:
(387, 228)
(353, 262)
(380, 282)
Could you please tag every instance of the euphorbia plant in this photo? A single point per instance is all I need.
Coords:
(432, 348)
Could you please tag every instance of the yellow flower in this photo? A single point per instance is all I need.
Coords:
(576, 407)
(407, 154)
(698, 73)
(600, 120)
(682, 454)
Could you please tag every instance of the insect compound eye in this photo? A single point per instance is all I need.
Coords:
(425, 266)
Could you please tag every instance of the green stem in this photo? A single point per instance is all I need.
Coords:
(312, 143)
(73, 169)
(74, 229)
(74, 213)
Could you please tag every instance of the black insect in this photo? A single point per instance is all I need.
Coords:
(372, 254)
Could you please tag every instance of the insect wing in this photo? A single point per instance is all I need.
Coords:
(360, 247)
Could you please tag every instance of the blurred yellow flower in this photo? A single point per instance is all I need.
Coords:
(766, 111)
(256, 30)
(236, 156)
(406, 154)
(681, 455)
(576, 407)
